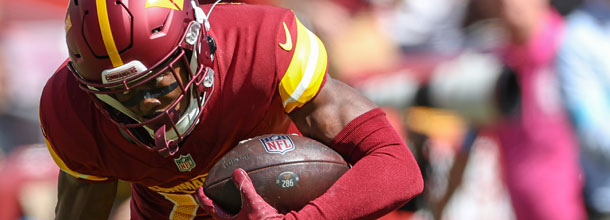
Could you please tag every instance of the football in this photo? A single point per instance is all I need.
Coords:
(288, 171)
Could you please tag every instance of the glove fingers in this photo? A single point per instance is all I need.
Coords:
(209, 206)
(248, 193)
(244, 185)
(204, 202)
(253, 206)
(240, 177)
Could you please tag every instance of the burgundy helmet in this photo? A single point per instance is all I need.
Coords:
(116, 45)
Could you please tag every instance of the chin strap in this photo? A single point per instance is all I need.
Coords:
(163, 146)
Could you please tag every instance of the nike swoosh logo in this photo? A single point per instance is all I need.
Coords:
(288, 45)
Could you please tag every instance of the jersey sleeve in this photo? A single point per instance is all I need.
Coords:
(63, 133)
(62, 165)
(302, 63)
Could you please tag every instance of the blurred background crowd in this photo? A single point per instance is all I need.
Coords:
(504, 103)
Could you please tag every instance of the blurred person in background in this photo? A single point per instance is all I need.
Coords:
(29, 44)
(538, 151)
(584, 73)
(15, 130)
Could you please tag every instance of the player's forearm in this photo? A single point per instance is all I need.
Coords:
(80, 200)
(384, 177)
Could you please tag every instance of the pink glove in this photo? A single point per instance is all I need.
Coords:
(252, 205)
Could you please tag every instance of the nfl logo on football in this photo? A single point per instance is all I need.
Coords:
(279, 144)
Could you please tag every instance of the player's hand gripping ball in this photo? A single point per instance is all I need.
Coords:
(287, 171)
(253, 206)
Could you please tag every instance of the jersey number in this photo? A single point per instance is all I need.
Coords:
(185, 206)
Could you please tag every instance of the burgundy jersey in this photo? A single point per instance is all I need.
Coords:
(267, 64)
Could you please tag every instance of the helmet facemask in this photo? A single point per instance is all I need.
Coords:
(163, 132)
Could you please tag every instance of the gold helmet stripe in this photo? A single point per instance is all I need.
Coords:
(102, 17)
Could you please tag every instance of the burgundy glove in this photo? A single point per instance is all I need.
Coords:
(252, 205)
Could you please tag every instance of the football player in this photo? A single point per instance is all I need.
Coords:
(155, 91)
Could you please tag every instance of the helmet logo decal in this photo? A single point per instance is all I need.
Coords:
(102, 17)
(171, 4)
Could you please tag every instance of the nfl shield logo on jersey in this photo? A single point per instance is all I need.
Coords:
(185, 163)
(278, 144)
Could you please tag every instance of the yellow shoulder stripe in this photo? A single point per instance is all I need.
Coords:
(306, 70)
(60, 163)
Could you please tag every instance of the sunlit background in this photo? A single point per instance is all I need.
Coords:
(437, 67)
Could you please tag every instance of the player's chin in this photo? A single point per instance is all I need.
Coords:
(183, 105)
